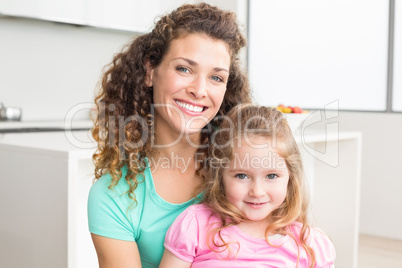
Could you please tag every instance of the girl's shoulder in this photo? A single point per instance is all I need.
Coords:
(195, 217)
(200, 212)
(186, 236)
(313, 233)
(318, 240)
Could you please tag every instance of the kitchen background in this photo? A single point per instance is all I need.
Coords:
(51, 64)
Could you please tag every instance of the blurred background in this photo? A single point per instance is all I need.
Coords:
(343, 56)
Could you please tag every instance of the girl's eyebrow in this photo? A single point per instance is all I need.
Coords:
(193, 63)
(236, 170)
(245, 170)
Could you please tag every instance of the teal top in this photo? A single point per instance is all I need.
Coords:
(111, 213)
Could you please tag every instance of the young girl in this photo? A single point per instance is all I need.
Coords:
(255, 208)
(156, 101)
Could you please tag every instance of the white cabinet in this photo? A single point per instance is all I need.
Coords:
(43, 199)
(72, 11)
(332, 163)
(140, 16)
(129, 15)
(19, 8)
(137, 16)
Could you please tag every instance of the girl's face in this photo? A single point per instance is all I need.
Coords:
(256, 178)
(189, 84)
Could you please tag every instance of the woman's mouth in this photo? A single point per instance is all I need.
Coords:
(190, 107)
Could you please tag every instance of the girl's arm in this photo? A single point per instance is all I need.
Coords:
(169, 260)
(113, 253)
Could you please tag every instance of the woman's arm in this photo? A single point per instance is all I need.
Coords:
(113, 253)
(169, 260)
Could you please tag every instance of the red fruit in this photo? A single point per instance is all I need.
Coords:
(297, 110)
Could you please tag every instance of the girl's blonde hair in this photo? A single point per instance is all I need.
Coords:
(268, 122)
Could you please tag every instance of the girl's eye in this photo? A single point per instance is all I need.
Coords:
(272, 176)
(182, 69)
(241, 176)
(217, 78)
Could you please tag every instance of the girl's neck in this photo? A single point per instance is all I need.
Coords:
(254, 228)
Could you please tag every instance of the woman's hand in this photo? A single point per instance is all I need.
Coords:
(113, 253)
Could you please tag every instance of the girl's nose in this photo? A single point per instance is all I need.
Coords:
(256, 190)
(198, 87)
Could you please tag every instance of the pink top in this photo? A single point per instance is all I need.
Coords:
(187, 239)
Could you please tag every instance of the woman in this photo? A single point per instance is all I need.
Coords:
(159, 102)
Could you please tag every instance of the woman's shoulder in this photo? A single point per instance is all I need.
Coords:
(108, 208)
(107, 193)
(104, 185)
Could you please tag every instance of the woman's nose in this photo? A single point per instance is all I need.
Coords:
(198, 87)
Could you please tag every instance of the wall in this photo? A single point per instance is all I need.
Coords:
(381, 184)
(46, 68)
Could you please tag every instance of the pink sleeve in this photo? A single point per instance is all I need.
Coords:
(182, 237)
(323, 248)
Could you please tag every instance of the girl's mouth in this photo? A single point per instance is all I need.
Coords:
(256, 204)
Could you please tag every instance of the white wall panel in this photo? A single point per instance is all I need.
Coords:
(397, 73)
(311, 53)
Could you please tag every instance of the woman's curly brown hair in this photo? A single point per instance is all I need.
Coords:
(123, 124)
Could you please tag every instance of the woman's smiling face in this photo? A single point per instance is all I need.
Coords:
(189, 84)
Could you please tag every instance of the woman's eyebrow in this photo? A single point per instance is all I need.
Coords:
(217, 69)
(193, 63)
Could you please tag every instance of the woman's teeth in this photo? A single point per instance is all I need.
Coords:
(190, 107)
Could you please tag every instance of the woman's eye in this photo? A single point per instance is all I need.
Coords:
(217, 78)
(272, 176)
(182, 69)
(241, 176)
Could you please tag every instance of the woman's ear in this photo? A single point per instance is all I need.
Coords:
(149, 75)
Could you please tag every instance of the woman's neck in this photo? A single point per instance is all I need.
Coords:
(175, 153)
(173, 164)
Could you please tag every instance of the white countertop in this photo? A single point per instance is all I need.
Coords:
(323, 136)
(67, 144)
(54, 123)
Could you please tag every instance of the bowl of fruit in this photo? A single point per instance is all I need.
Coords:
(294, 115)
